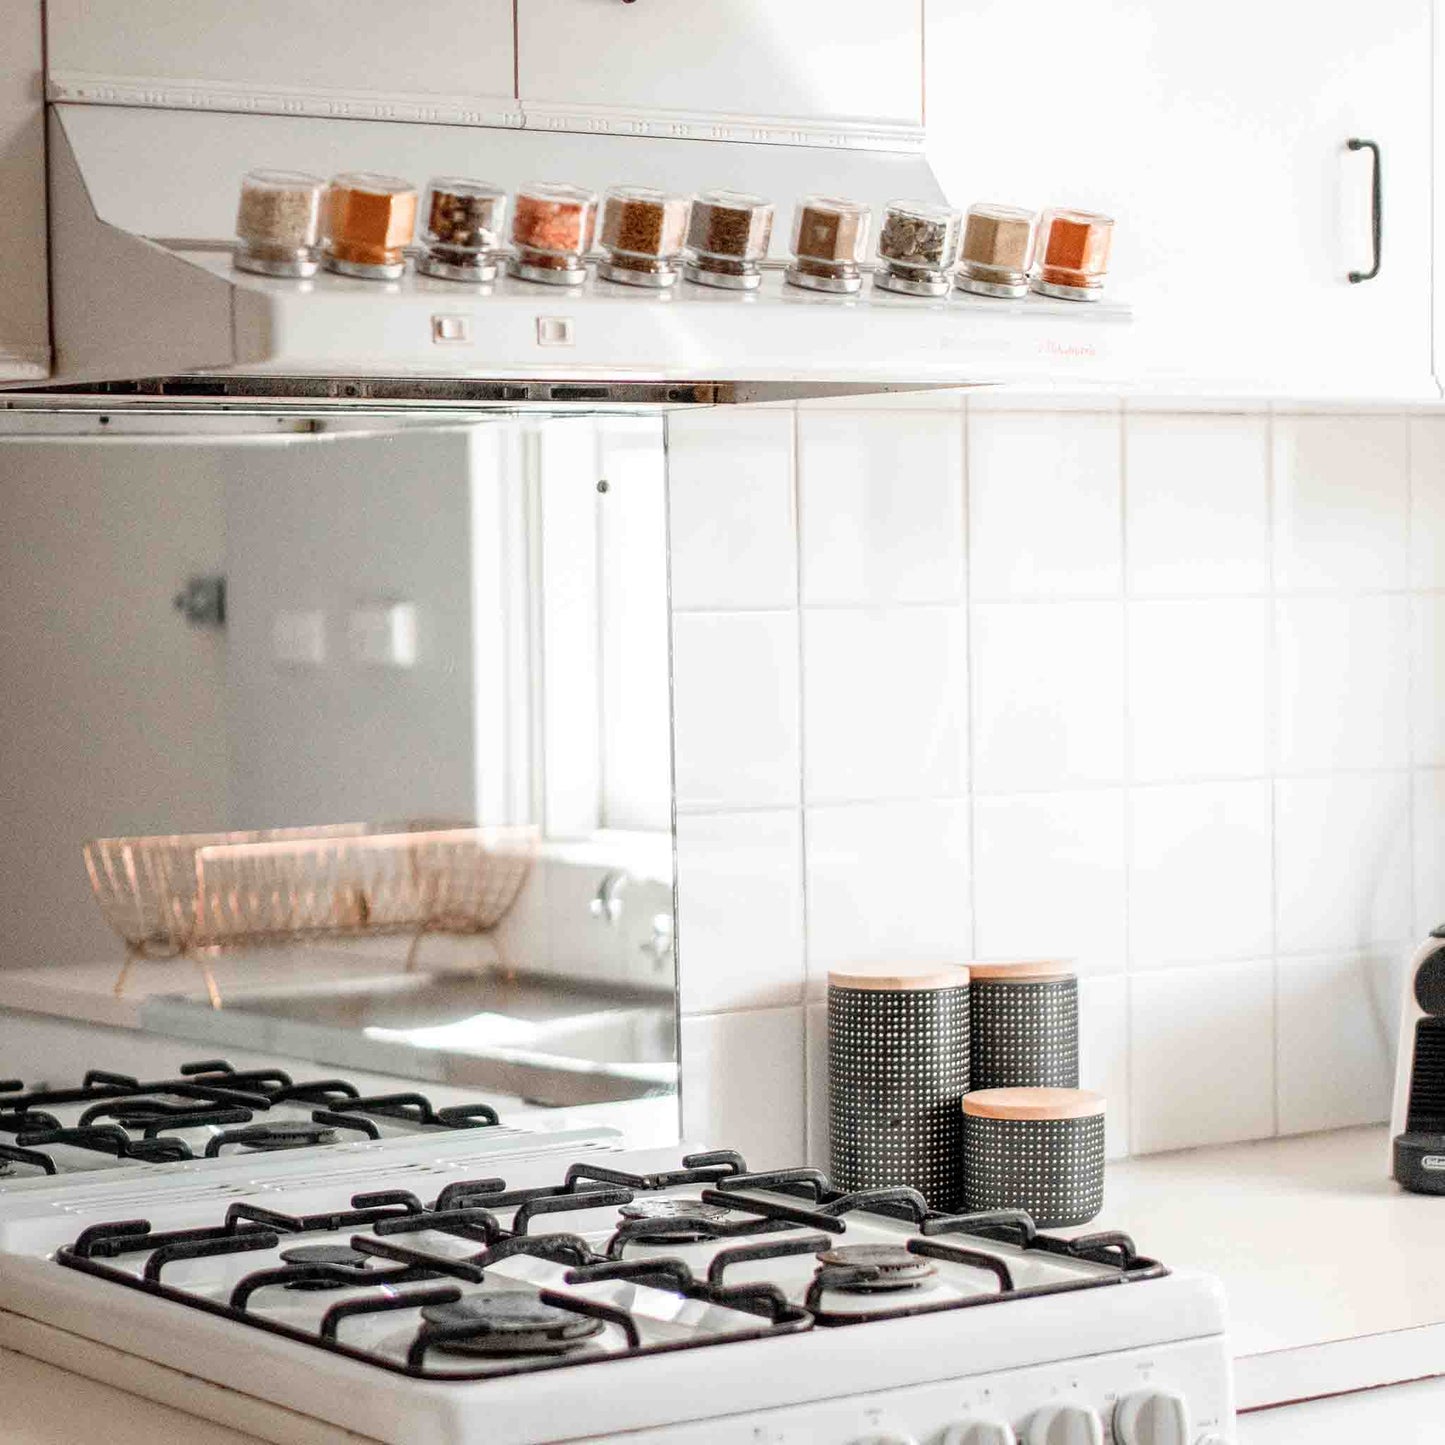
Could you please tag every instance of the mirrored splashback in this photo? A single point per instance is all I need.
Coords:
(348, 739)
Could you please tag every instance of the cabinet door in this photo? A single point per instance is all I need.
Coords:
(811, 60)
(1216, 135)
(24, 325)
(325, 57)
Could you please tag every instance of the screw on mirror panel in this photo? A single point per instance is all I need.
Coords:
(202, 601)
(604, 486)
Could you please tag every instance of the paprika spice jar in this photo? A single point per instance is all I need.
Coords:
(552, 229)
(369, 224)
(1075, 255)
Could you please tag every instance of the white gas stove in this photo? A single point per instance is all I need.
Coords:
(424, 1291)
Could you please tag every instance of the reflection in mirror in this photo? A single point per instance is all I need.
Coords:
(434, 657)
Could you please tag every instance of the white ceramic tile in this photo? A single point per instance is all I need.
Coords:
(1344, 683)
(1104, 1053)
(1201, 876)
(1048, 695)
(885, 703)
(888, 881)
(740, 910)
(735, 709)
(1049, 878)
(1044, 504)
(1202, 1046)
(1427, 501)
(1070, 396)
(730, 501)
(1197, 504)
(1334, 1045)
(880, 502)
(1342, 862)
(743, 1084)
(819, 1130)
(1200, 693)
(931, 399)
(1429, 850)
(1341, 487)
(1427, 686)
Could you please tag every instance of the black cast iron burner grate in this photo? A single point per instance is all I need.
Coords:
(776, 1227)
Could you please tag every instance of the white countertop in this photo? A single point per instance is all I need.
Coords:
(1335, 1277)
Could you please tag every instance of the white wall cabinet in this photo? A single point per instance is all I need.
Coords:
(24, 323)
(801, 65)
(1217, 137)
(450, 60)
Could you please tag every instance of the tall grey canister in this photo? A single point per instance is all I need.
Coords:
(1041, 1150)
(897, 1073)
(1024, 1029)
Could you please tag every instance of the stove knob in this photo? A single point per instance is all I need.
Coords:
(980, 1432)
(1065, 1425)
(885, 1437)
(1152, 1417)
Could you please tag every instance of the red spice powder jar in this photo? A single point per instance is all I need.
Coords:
(369, 223)
(552, 230)
(1074, 255)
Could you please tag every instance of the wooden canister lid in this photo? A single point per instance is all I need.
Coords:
(898, 977)
(1033, 1103)
(1024, 970)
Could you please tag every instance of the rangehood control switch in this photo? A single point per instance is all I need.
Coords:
(1065, 1425)
(1152, 1417)
(556, 331)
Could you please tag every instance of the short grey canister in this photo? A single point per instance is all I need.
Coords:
(897, 1071)
(1041, 1150)
(1024, 1030)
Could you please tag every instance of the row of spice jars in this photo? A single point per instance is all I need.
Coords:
(360, 224)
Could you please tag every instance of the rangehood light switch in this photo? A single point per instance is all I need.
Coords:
(451, 329)
(556, 331)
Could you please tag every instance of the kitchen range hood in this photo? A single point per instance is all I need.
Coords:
(146, 302)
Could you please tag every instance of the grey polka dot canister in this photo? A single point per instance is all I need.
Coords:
(897, 1071)
(1024, 1029)
(1041, 1150)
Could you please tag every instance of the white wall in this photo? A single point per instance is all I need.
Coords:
(1158, 692)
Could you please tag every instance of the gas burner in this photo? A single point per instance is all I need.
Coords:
(879, 1267)
(284, 1134)
(342, 1256)
(688, 1214)
(511, 1322)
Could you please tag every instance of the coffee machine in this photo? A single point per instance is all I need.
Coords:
(1417, 1122)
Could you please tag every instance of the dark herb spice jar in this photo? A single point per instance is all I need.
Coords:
(1040, 1150)
(728, 235)
(1024, 1025)
(897, 1073)
(461, 229)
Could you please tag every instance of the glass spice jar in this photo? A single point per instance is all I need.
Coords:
(728, 236)
(830, 237)
(461, 229)
(552, 229)
(278, 223)
(643, 232)
(918, 245)
(369, 224)
(1074, 255)
(997, 252)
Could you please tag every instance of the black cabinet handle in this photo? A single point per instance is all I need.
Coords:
(1376, 205)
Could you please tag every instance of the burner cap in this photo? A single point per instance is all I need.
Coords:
(685, 1214)
(511, 1322)
(890, 1266)
(284, 1134)
(336, 1254)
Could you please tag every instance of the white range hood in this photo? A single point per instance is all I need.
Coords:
(145, 299)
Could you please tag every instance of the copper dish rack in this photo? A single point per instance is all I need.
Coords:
(192, 895)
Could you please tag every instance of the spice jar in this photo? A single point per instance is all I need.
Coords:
(369, 224)
(830, 237)
(917, 246)
(552, 230)
(643, 233)
(278, 223)
(461, 229)
(997, 252)
(1075, 255)
(728, 236)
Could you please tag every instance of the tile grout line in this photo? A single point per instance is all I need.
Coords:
(1131, 1112)
(1412, 681)
(804, 1001)
(966, 481)
(1271, 538)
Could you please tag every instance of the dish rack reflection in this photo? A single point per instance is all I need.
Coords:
(191, 895)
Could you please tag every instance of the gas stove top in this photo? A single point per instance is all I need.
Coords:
(723, 1304)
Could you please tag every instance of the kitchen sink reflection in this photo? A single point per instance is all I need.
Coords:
(549, 1041)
